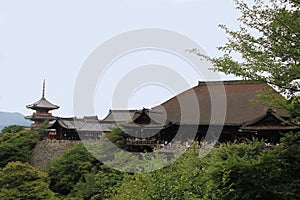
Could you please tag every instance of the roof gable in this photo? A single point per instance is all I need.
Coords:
(269, 121)
(148, 116)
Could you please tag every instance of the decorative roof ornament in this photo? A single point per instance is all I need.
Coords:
(43, 95)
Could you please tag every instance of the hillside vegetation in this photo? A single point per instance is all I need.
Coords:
(231, 171)
(17, 146)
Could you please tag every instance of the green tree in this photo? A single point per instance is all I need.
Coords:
(98, 184)
(22, 181)
(42, 129)
(118, 137)
(12, 129)
(232, 171)
(17, 146)
(249, 171)
(181, 180)
(66, 171)
(269, 46)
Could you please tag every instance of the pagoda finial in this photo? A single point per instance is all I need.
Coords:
(43, 95)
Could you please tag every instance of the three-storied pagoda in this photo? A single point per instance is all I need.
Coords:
(42, 108)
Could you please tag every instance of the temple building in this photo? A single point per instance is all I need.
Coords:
(73, 128)
(41, 108)
(247, 116)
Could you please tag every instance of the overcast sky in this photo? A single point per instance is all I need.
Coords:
(52, 39)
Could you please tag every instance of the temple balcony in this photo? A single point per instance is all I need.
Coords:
(142, 142)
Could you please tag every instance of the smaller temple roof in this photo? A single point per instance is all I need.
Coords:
(137, 118)
(155, 117)
(120, 116)
(269, 121)
(85, 124)
(43, 103)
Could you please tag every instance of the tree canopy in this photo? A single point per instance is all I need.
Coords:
(67, 170)
(22, 181)
(17, 146)
(78, 174)
(12, 129)
(268, 43)
(231, 171)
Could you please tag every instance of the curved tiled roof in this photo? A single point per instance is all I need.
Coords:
(85, 124)
(238, 95)
(44, 104)
(269, 121)
(120, 115)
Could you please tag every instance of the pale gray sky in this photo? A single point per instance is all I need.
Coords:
(52, 39)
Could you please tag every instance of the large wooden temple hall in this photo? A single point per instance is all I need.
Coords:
(244, 119)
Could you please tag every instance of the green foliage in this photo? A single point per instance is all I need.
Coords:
(233, 171)
(268, 43)
(22, 181)
(230, 172)
(67, 170)
(17, 146)
(181, 180)
(78, 175)
(252, 172)
(272, 54)
(98, 184)
(42, 129)
(118, 137)
(12, 129)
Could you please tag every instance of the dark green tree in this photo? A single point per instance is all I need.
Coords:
(17, 146)
(66, 171)
(118, 137)
(43, 129)
(249, 171)
(22, 181)
(12, 129)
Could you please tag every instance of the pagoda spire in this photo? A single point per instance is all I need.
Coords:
(43, 94)
(42, 108)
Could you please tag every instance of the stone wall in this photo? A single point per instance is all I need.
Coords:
(47, 150)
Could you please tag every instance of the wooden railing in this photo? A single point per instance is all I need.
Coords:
(143, 142)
